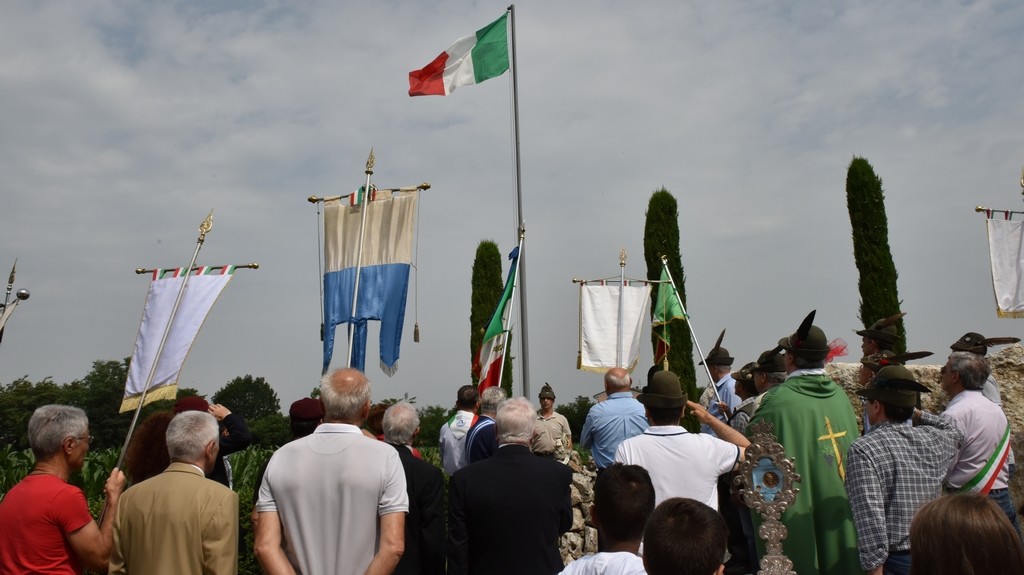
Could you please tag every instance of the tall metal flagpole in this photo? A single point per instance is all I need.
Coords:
(204, 228)
(521, 224)
(365, 207)
(511, 301)
(619, 344)
(693, 336)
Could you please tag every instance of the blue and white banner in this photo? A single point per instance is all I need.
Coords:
(384, 276)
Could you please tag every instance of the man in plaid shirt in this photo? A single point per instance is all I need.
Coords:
(896, 468)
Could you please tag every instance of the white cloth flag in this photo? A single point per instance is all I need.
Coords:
(1006, 248)
(200, 294)
(599, 325)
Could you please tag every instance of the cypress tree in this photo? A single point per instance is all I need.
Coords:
(661, 237)
(865, 201)
(488, 284)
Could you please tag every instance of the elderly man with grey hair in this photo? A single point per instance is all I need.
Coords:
(179, 521)
(45, 521)
(981, 463)
(481, 441)
(509, 497)
(424, 524)
(334, 501)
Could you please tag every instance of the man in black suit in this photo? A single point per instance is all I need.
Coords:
(424, 525)
(505, 513)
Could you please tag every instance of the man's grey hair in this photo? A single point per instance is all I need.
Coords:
(50, 425)
(189, 433)
(400, 423)
(974, 369)
(804, 363)
(515, 421)
(344, 404)
(775, 376)
(614, 381)
(491, 399)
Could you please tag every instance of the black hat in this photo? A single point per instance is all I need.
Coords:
(808, 342)
(664, 391)
(895, 385)
(718, 354)
(877, 361)
(979, 344)
(771, 361)
(883, 330)
(546, 392)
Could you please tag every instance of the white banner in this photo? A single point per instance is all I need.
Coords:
(200, 294)
(1005, 243)
(599, 325)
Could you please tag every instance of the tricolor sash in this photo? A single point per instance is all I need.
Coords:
(982, 482)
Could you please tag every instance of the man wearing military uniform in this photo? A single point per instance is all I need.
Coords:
(552, 436)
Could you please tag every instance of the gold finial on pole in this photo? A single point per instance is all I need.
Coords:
(980, 209)
(369, 163)
(622, 258)
(205, 227)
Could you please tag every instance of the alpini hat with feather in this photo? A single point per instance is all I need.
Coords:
(883, 330)
(808, 341)
(718, 354)
(664, 391)
(895, 385)
(979, 344)
(770, 361)
(877, 361)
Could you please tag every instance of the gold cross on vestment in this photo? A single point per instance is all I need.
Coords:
(835, 446)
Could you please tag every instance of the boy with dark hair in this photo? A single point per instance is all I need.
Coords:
(623, 499)
(685, 537)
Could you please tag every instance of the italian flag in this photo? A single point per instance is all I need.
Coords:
(468, 61)
(496, 336)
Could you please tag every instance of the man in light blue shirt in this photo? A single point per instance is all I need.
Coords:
(720, 366)
(614, 420)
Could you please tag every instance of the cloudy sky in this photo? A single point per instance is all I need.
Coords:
(123, 123)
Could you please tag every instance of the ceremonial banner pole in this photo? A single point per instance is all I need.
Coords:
(693, 336)
(511, 301)
(204, 228)
(521, 223)
(364, 206)
(8, 308)
(622, 305)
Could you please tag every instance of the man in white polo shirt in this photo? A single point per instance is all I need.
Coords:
(334, 501)
(681, 464)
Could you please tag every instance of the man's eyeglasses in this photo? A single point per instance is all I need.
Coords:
(88, 439)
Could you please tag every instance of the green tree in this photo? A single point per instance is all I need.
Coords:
(487, 288)
(99, 393)
(661, 238)
(270, 431)
(17, 402)
(865, 201)
(432, 418)
(251, 397)
(575, 412)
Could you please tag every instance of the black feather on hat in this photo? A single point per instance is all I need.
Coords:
(718, 354)
(877, 361)
(809, 341)
(979, 344)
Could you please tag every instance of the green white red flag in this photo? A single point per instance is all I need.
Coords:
(468, 61)
(666, 309)
(496, 336)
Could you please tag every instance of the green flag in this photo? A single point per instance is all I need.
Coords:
(666, 309)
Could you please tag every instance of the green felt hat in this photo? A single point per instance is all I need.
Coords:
(895, 385)
(664, 391)
(808, 341)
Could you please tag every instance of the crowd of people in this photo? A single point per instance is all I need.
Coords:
(916, 493)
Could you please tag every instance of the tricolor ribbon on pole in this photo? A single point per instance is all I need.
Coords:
(204, 287)
(493, 352)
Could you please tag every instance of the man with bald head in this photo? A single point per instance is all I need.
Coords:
(612, 421)
(334, 501)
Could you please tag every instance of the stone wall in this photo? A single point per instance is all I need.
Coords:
(1007, 368)
(581, 538)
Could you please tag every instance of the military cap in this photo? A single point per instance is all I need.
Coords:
(979, 344)
(664, 391)
(546, 392)
(883, 330)
(718, 354)
(808, 341)
(770, 361)
(895, 385)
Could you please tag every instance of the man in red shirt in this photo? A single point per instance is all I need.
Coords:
(45, 521)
